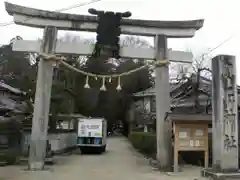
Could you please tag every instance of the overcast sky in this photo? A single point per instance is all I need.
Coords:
(222, 19)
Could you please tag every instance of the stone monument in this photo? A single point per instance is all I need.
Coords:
(224, 119)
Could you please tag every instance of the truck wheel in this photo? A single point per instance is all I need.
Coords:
(11, 160)
(103, 149)
(83, 150)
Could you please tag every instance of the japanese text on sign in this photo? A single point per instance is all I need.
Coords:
(90, 126)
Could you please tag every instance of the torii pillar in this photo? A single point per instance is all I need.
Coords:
(161, 30)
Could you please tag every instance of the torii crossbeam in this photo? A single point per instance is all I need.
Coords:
(64, 21)
(80, 48)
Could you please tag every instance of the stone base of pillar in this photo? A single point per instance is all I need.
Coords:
(212, 175)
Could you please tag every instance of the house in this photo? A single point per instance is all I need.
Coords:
(183, 95)
(190, 97)
(10, 99)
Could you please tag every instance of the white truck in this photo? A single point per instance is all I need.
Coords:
(92, 135)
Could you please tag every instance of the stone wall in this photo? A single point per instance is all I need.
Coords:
(59, 141)
(62, 141)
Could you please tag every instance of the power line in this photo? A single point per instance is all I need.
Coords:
(220, 44)
(58, 10)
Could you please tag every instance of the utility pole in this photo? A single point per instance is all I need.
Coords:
(42, 102)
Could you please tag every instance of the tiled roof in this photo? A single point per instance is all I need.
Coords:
(10, 88)
(182, 94)
(148, 92)
(175, 88)
(151, 91)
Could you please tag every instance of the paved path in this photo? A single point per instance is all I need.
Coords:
(120, 162)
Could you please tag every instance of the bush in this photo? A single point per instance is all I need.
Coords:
(145, 142)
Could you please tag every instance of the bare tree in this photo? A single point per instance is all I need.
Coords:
(200, 67)
(134, 41)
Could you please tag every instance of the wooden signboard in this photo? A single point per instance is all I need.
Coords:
(190, 137)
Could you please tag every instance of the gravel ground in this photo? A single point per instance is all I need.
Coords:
(120, 162)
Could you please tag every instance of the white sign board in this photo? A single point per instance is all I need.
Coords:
(90, 127)
(183, 135)
(199, 132)
(191, 143)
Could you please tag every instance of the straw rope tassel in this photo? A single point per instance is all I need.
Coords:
(103, 88)
(86, 83)
(119, 88)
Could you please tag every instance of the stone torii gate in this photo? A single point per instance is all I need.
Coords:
(53, 21)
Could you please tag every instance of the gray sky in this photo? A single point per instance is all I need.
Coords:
(222, 19)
